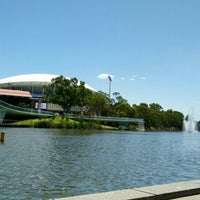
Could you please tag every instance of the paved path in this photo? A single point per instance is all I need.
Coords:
(179, 191)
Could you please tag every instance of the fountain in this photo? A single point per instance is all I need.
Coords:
(189, 124)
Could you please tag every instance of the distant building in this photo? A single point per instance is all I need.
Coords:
(32, 83)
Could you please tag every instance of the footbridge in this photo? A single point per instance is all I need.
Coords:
(123, 121)
(6, 108)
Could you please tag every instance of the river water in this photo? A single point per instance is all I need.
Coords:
(54, 163)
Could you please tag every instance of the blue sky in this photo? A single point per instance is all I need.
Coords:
(151, 48)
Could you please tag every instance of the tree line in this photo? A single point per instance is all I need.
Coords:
(71, 92)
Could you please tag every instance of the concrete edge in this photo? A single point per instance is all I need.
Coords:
(164, 192)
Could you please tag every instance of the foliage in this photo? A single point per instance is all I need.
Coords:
(66, 92)
(58, 122)
(156, 118)
(99, 104)
(71, 92)
(23, 105)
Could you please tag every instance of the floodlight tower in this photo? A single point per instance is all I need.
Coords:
(110, 80)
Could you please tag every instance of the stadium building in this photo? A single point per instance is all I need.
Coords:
(31, 88)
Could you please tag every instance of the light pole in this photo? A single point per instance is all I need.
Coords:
(110, 80)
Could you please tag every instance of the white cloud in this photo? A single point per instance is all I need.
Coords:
(105, 76)
(133, 78)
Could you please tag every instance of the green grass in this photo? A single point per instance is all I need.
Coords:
(56, 122)
(61, 122)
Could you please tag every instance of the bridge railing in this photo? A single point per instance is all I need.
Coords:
(105, 118)
(10, 107)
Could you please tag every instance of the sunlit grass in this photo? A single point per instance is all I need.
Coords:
(61, 122)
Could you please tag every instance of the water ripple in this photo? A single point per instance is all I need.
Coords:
(46, 164)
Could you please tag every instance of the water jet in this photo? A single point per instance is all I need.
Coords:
(189, 124)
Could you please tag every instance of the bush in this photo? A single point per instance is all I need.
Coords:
(42, 124)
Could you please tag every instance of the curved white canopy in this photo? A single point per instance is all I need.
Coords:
(33, 78)
(29, 78)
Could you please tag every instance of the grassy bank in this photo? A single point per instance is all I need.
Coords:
(61, 122)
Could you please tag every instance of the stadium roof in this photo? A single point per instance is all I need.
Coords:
(29, 78)
(33, 79)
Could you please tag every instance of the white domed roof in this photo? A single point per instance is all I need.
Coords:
(29, 78)
(33, 79)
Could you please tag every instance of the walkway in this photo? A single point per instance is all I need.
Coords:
(6, 108)
(179, 191)
(124, 121)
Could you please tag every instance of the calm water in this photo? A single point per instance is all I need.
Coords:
(49, 163)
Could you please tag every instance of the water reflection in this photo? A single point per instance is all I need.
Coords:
(49, 163)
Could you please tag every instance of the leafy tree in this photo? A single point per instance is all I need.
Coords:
(66, 92)
(120, 107)
(144, 113)
(135, 111)
(118, 98)
(156, 115)
(83, 96)
(71, 92)
(123, 110)
(99, 103)
(178, 120)
(173, 119)
(156, 107)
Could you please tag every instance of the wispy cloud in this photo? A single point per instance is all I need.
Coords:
(105, 76)
(123, 78)
(133, 78)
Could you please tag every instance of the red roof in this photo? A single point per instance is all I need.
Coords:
(17, 93)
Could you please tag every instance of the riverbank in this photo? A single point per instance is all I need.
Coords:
(61, 122)
(78, 123)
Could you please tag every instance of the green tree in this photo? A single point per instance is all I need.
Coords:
(156, 115)
(123, 109)
(144, 113)
(135, 111)
(173, 119)
(118, 98)
(66, 92)
(83, 96)
(156, 107)
(120, 106)
(99, 103)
